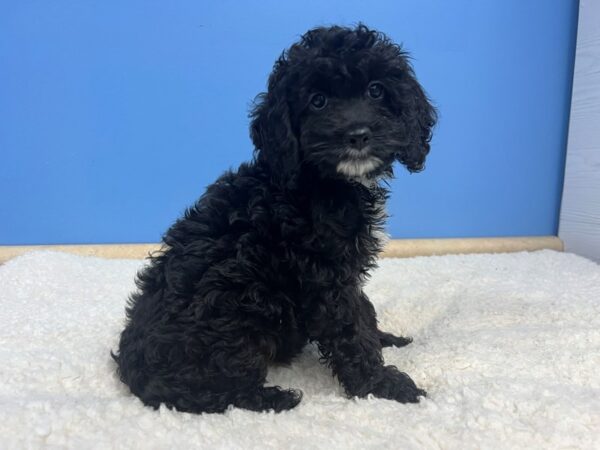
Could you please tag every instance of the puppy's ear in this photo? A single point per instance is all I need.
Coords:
(271, 130)
(419, 117)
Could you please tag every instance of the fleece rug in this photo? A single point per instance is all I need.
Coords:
(507, 347)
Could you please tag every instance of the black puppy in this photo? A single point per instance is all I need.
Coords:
(275, 254)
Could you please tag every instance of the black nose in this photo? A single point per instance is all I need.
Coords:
(358, 138)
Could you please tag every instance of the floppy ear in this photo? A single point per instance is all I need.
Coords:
(272, 133)
(419, 117)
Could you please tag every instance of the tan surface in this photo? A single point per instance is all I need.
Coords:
(132, 251)
(400, 248)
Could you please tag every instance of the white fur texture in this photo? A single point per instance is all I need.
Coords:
(507, 346)
(358, 167)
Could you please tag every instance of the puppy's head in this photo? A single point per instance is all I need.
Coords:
(345, 101)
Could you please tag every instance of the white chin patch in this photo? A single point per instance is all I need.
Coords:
(358, 167)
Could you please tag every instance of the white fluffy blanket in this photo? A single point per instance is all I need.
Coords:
(507, 346)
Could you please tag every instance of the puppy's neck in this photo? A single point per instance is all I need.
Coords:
(369, 183)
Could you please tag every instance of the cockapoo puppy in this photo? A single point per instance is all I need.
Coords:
(275, 254)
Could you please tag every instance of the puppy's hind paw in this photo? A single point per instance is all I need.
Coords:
(283, 399)
(269, 398)
(396, 385)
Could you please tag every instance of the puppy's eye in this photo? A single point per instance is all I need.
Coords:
(375, 90)
(318, 101)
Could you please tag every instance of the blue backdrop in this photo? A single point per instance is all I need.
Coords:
(115, 115)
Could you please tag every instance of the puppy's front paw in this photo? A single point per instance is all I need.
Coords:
(389, 340)
(396, 385)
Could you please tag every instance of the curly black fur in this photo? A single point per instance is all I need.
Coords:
(275, 254)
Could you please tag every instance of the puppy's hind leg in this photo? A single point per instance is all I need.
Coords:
(256, 398)
(213, 388)
(266, 398)
(245, 389)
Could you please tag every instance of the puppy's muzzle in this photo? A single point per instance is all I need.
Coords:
(358, 138)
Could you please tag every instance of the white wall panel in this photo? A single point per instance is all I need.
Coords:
(580, 211)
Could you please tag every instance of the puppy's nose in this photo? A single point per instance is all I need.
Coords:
(359, 138)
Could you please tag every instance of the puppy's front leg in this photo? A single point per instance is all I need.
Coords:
(391, 340)
(386, 339)
(350, 343)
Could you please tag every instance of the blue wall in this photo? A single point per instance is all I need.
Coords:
(115, 115)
